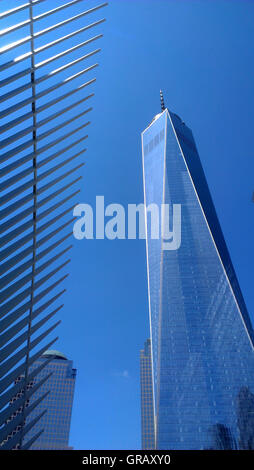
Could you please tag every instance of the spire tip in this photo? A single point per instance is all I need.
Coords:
(162, 101)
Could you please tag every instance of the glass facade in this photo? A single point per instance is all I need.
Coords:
(202, 337)
(58, 403)
(147, 402)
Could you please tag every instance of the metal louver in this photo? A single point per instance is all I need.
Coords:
(46, 68)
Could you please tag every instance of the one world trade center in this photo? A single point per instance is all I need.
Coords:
(201, 334)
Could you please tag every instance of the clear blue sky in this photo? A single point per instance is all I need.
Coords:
(201, 54)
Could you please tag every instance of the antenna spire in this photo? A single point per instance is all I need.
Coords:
(162, 101)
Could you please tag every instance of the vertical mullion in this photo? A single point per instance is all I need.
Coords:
(34, 163)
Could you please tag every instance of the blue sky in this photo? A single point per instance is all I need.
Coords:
(200, 53)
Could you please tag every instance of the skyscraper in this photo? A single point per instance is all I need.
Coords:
(147, 403)
(58, 403)
(50, 396)
(201, 334)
